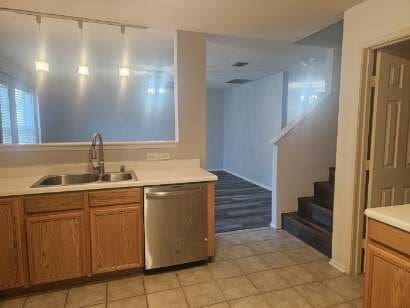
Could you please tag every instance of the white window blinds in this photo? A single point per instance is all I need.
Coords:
(26, 127)
(18, 114)
(6, 135)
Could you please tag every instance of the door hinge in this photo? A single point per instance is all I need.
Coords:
(363, 244)
(373, 81)
(367, 165)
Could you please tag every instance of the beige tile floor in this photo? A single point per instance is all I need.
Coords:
(253, 268)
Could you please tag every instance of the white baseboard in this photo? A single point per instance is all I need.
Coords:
(340, 267)
(246, 179)
(274, 226)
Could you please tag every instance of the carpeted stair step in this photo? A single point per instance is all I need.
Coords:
(315, 214)
(311, 234)
(332, 171)
(323, 194)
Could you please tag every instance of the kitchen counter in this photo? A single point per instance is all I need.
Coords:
(397, 216)
(148, 174)
(90, 223)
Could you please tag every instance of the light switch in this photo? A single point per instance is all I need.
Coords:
(163, 156)
(152, 156)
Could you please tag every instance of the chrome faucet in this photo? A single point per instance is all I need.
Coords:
(97, 158)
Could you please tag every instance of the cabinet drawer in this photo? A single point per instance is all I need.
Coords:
(114, 197)
(389, 236)
(53, 202)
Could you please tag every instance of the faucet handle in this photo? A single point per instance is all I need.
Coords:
(122, 168)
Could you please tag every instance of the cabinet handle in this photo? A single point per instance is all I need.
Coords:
(164, 194)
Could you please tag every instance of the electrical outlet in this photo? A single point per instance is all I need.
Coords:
(152, 156)
(163, 156)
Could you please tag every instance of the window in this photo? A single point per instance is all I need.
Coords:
(128, 95)
(5, 115)
(303, 95)
(310, 83)
(25, 117)
(17, 115)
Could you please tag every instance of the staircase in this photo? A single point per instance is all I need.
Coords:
(313, 221)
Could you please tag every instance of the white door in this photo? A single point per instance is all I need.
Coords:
(389, 173)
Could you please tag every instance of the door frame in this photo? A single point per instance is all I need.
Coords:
(365, 95)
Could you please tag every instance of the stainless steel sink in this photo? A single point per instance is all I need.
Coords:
(118, 176)
(85, 178)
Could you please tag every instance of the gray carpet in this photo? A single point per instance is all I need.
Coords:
(240, 204)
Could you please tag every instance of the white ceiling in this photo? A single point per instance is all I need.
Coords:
(282, 20)
(267, 57)
(264, 58)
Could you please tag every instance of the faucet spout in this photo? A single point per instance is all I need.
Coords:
(96, 158)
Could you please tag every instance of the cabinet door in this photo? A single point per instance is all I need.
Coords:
(387, 278)
(11, 254)
(116, 238)
(56, 246)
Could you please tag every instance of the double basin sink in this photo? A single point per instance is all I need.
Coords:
(85, 178)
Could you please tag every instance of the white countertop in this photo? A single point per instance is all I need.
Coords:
(157, 175)
(397, 215)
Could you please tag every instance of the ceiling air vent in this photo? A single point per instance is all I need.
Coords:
(240, 64)
(238, 81)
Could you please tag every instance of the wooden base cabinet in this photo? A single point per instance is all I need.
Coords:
(387, 274)
(12, 267)
(48, 238)
(56, 246)
(116, 238)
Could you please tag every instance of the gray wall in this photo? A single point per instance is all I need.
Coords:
(252, 117)
(121, 112)
(215, 129)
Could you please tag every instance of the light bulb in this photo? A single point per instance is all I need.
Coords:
(124, 72)
(41, 66)
(83, 70)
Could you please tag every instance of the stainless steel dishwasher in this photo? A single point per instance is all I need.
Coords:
(175, 222)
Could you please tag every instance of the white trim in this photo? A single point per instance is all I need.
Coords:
(176, 88)
(84, 146)
(339, 266)
(288, 128)
(247, 179)
(353, 259)
(273, 225)
(276, 215)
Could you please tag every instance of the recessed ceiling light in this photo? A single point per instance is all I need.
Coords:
(161, 90)
(240, 64)
(314, 60)
(83, 70)
(41, 66)
(151, 91)
(238, 81)
(303, 63)
(124, 72)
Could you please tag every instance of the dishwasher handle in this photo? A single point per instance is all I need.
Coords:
(169, 194)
